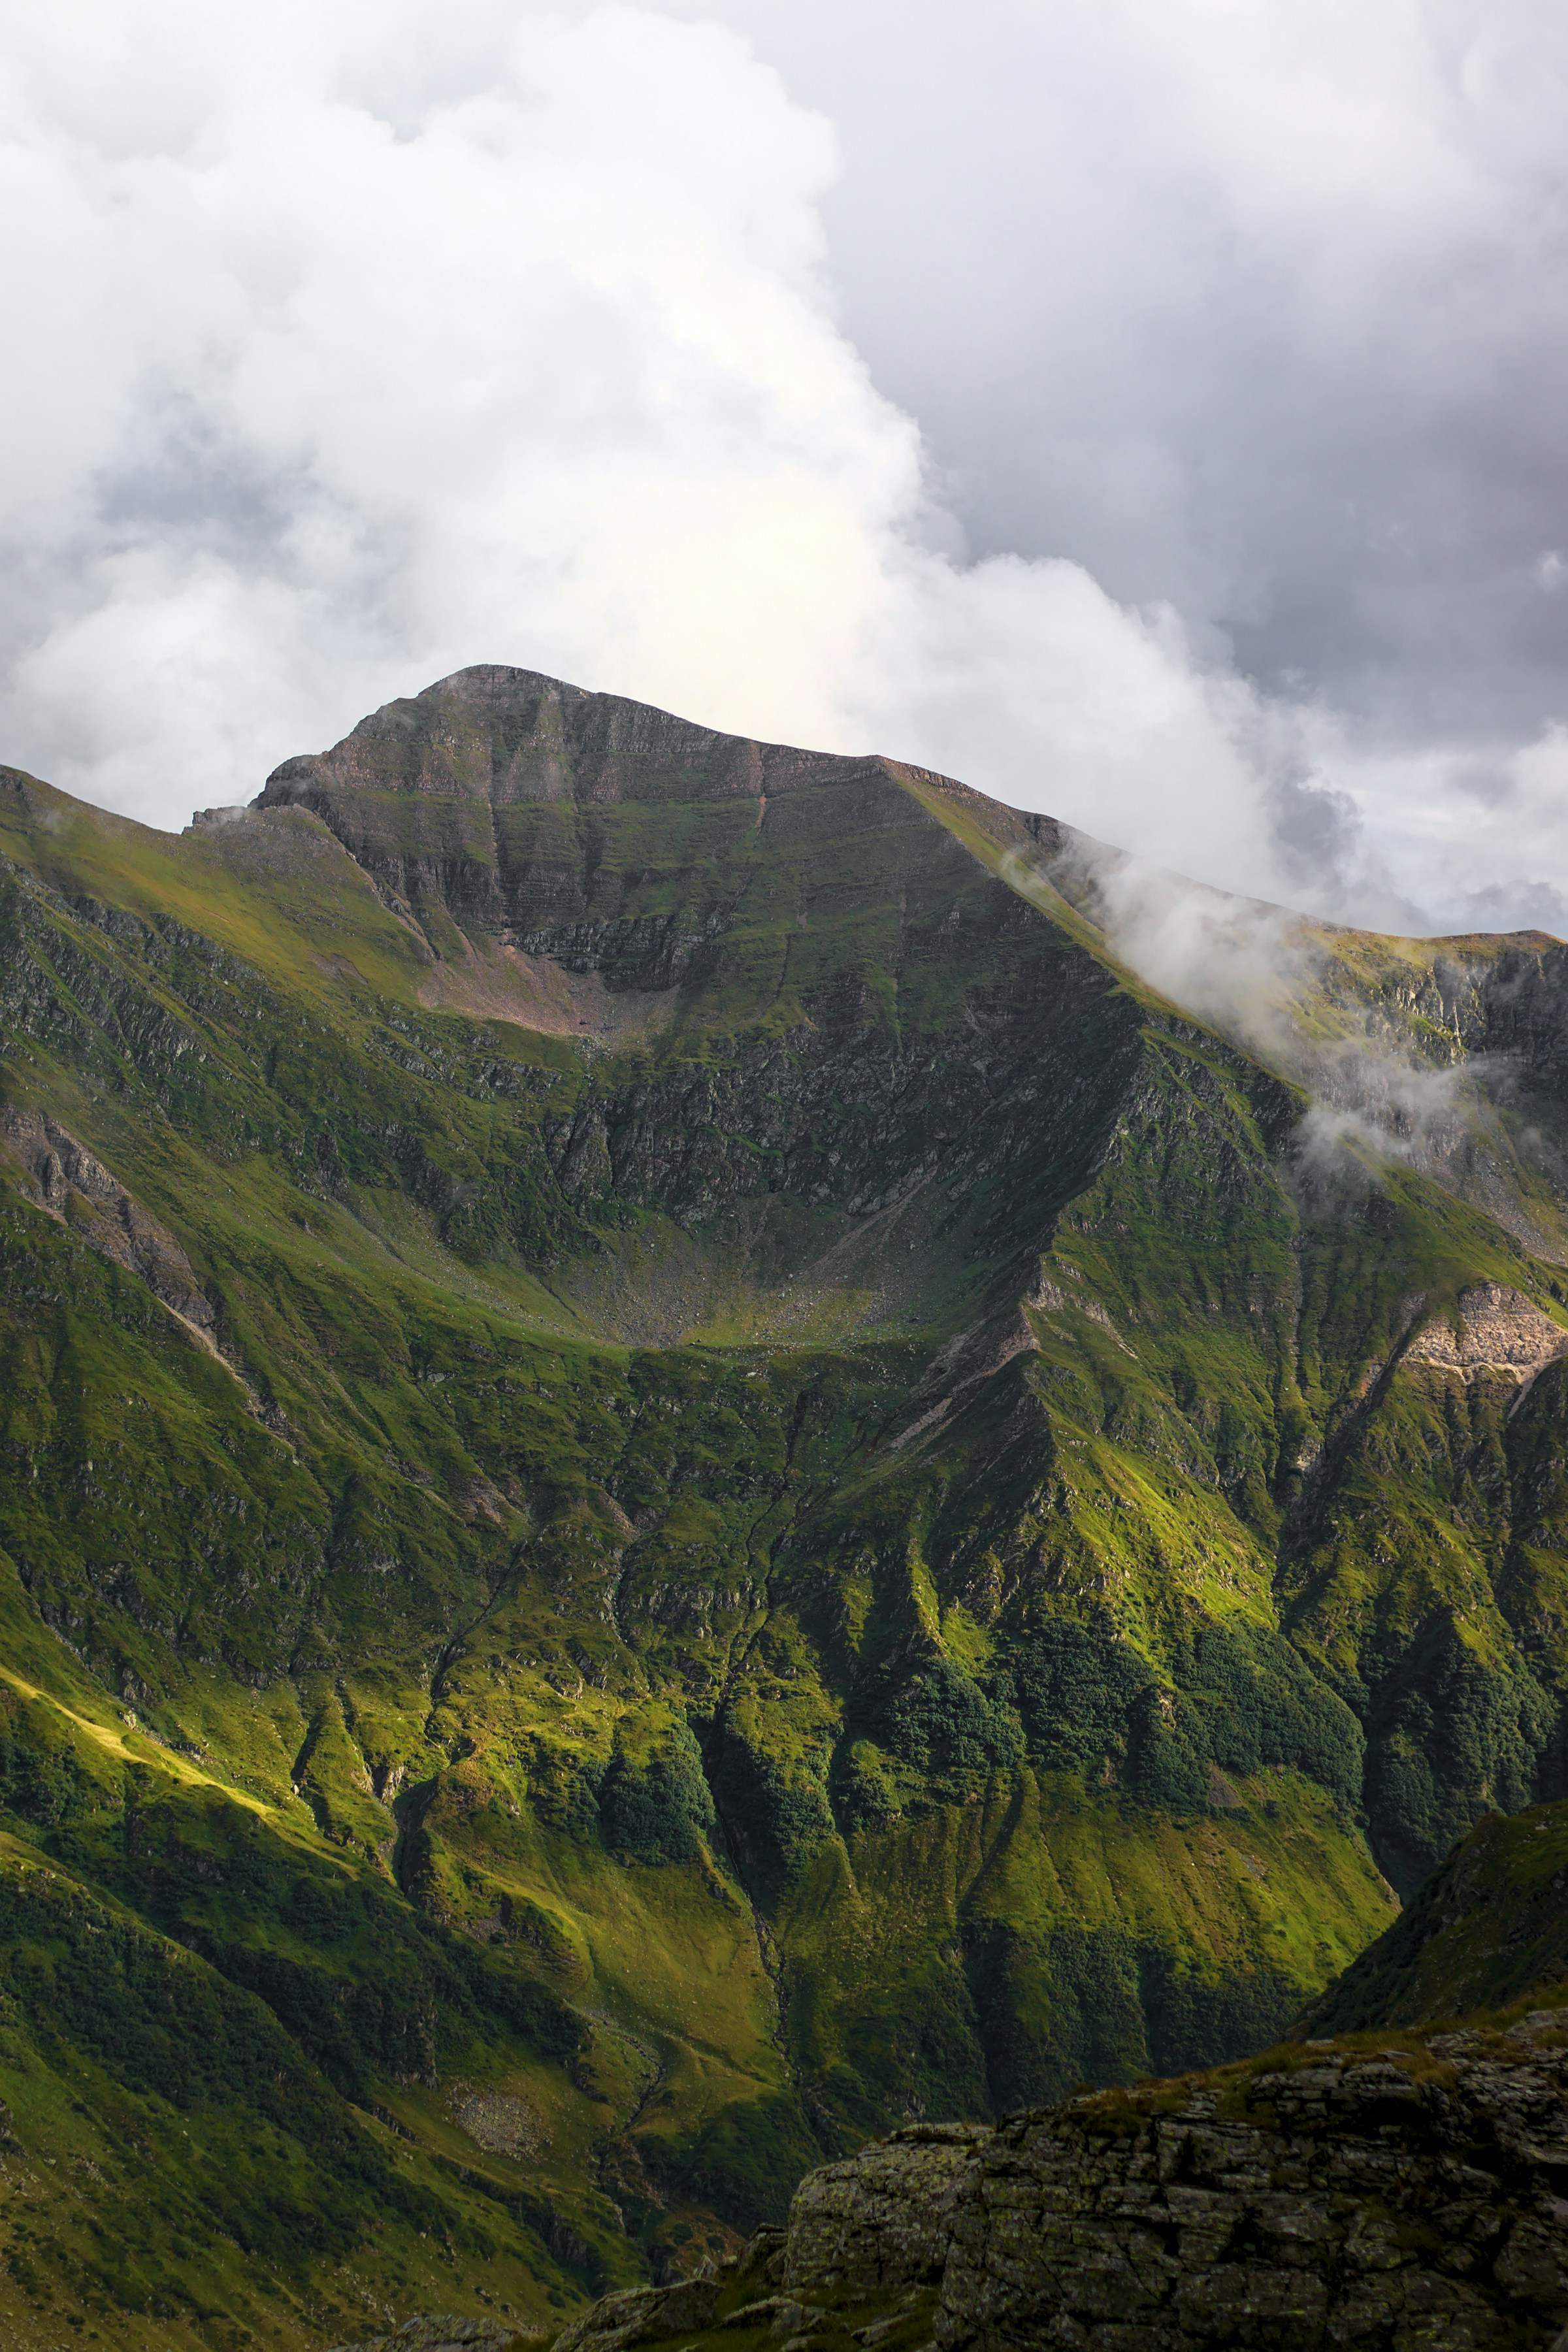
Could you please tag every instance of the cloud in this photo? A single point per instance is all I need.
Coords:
(1270, 980)
(365, 346)
(367, 341)
(1259, 311)
(525, 358)
(1478, 833)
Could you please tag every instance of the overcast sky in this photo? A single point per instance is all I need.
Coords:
(1147, 410)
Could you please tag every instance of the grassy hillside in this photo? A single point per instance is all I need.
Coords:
(681, 1480)
(1488, 1929)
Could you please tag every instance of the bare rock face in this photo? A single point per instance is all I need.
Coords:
(441, 2336)
(64, 1178)
(498, 734)
(1497, 1331)
(641, 2315)
(1381, 2197)
(884, 2218)
(498, 793)
(744, 2287)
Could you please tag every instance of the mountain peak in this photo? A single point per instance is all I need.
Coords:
(493, 733)
(523, 805)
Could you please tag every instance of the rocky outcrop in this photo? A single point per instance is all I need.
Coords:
(62, 1177)
(441, 2336)
(654, 2314)
(1496, 1331)
(1386, 2197)
(504, 735)
(504, 780)
(642, 2314)
(502, 796)
(884, 2218)
(1369, 2197)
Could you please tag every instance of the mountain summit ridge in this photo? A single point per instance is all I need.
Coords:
(540, 731)
(491, 790)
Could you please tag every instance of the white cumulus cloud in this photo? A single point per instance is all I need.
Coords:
(366, 343)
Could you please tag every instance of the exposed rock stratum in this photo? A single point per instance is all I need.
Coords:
(1365, 2197)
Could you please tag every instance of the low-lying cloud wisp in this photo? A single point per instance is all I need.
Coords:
(1269, 978)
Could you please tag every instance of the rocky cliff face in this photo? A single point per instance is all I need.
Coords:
(531, 809)
(1364, 2195)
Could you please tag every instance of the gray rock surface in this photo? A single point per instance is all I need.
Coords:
(61, 1177)
(1384, 2198)
(1392, 2198)
(450, 2334)
(642, 2314)
(884, 2218)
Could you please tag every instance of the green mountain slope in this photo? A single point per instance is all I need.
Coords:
(1488, 1929)
(679, 1479)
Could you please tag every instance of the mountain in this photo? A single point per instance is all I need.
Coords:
(682, 1478)
(1488, 1930)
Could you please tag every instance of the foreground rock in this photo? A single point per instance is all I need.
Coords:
(441, 2336)
(1382, 2197)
